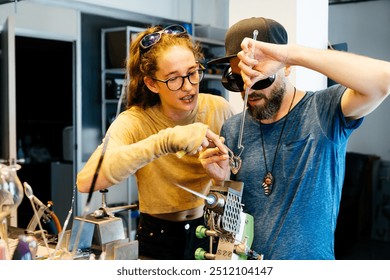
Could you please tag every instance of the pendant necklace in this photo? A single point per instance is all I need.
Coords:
(268, 180)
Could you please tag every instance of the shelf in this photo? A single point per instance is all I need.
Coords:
(209, 41)
(111, 101)
(119, 71)
(115, 43)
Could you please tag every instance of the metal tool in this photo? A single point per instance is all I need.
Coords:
(106, 211)
(227, 224)
(100, 230)
(237, 159)
(234, 161)
(29, 194)
(46, 215)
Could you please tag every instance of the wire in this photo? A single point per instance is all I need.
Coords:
(56, 222)
(92, 188)
(62, 233)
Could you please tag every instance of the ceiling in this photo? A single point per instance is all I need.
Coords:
(331, 2)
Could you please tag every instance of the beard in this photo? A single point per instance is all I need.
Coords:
(271, 105)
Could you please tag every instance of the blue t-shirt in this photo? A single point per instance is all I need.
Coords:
(298, 219)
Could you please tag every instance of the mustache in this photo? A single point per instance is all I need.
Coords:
(257, 95)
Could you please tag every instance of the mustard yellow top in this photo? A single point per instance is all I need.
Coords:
(141, 142)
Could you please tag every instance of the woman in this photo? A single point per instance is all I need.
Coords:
(158, 137)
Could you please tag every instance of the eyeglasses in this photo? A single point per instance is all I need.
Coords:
(153, 38)
(175, 83)
(234, 82)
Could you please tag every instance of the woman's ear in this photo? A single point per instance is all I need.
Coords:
(151, 84)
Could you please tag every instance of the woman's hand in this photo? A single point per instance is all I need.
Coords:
(215, 161)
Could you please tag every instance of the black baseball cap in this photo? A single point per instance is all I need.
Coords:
(270, 31)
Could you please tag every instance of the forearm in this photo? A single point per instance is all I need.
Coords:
(362, 74)
(124, 160)
(118, 163)
(367, 80)
(86, 174)
(366, 76)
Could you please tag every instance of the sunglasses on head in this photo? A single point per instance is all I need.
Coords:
(153, 38)
(234, 82)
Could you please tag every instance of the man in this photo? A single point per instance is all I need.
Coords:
(293, 143)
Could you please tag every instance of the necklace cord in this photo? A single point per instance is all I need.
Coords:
(280, 137)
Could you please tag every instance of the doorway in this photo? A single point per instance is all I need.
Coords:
(44, 111)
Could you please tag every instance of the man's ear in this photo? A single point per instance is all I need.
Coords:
(151, 84)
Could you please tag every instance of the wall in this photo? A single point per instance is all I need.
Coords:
(42, 21)
(303, 26)
(364, 27)
(200, 11)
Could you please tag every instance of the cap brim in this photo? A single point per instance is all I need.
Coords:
(221, 60)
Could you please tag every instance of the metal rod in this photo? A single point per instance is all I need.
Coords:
(239, 145)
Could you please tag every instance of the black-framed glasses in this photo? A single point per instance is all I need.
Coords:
(176, 83)
(234, 82)
(153, 38)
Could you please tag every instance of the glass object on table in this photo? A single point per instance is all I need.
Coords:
(11, 195)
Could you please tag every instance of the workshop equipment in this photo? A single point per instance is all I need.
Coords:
(104, 232)
(227, 225)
